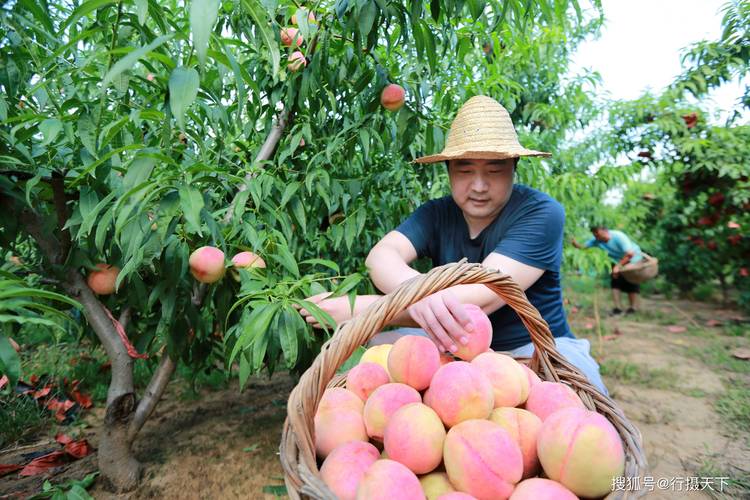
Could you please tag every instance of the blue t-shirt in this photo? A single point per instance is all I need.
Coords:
(617, 246)
(529, 229)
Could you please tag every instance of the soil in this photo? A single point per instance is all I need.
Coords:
(224, 444)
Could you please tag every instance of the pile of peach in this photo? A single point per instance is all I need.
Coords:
(414, 424)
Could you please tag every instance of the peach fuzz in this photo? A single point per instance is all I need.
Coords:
(297, 61)
(364, 378)
(581, 450)
(414, 437)
(413, 360)
(532, 377)
(545, 398)
(458, 392)
(480, 338)
(389, 480)
(207, 264)
(392, 97)
(338, 398)
(290, 36)
(456, 495)
(246, 260)
(510, 384)
(334, 428)
(383, 403)
(344, 467)
(377, 354)
(435, 484)
(523, 426)
(310, 18)
(537, 488)
(102, 281)
(482, 459)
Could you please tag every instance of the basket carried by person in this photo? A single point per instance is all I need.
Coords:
(643, 270)
(297, 450)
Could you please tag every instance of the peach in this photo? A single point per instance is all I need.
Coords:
(537, 488)
(392, 97)
(545, 398)
(344, 467)
(480, 338)
(482, 459)
(102, 281)
(338, 398)
(458, 392)
(582, 450)
(290, 36)
(389, 480)
(297, 61)
(510, 385)
(531, 375)
(334, 428)
(247, 260)
(414, 437)
(207, 264)
(364, 378)
(310, 18)
(523, 426)
(456, 495)
(377, 354)
(413, 361)
(383, 403)
(435, 484)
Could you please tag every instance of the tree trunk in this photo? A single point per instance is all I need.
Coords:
(120, 469)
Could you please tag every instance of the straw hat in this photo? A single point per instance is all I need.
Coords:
(482, 130)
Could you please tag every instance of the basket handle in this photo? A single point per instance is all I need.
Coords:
(304, 399)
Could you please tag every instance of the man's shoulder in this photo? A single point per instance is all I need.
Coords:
(530, 198)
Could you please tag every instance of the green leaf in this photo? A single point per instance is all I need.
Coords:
(83, 10)
(367, 18)
(323, 262)
(299, 213)
(263, 24)
(191, 202)
(287, 332)
(322, 317)
(348, 284)
(10, 363)
(253, 326)
(284, 257)
(138, 172)
(183, 89)
(129, 60)
(141, 9)
(87, 133)
(50, 128)
(245, 370)
(202, 19)
(289, 191)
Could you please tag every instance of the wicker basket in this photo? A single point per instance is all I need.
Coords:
(641, 271)
(297, 450)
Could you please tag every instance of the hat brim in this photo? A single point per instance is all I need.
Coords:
(481, 155)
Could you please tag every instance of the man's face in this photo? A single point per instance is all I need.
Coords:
(481, 188)
(601, 234)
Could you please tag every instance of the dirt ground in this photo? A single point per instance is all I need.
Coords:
(224, 443)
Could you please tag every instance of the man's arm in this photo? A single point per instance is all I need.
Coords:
(388, 261)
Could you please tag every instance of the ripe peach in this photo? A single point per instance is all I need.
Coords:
(413, 361)
(389, 480)
(537, 488)
(289, 36)
(247, 260)
(207, 264)
(297, 61)
(435, 484)
(377, 354)
(456, 495)
(482, 459)
(414, 437)
(338, 398)
(533, 377)
(546, 398)
(310, 18)
(102, 281)
(582, 450)
(459, 391)
(383, 403)
(344, 467)
(334, 428)
(510, 384)
(523, 426)
(364, 378)
(480, 338)
(392, 97)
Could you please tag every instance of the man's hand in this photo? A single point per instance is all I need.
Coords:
(337, 307)
(444, 319)
(575, 243)
(616, 271)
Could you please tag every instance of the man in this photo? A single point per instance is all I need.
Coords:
(513, 228)
(622, 251)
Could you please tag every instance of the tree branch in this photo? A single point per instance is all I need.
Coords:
(61, 207)
(152, 395)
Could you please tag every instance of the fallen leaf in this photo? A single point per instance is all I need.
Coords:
(573, 310)
(616, 331)
(733, 225)
(713, 322)
(3, 380)
(82, 399)
(33, 380)
(609, 337)
(42, 464)
(63, 439)
(8, 468)
(588, 326)
(78, 449)
(41, 392)
(676, 329)
(741, 353)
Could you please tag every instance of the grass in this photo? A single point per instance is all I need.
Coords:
(717, 353)
(734, 405)
(20, 419)
(735, 484)
(634, 374)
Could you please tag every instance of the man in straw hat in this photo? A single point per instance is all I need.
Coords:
(488, 219)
